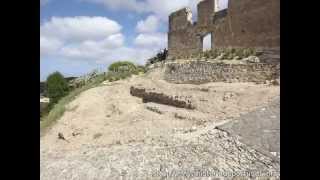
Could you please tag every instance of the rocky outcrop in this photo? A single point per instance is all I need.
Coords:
(149, 95)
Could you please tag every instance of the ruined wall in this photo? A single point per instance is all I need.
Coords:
(205, 12)
(150, 95)
(181, 36)
(246, 23)
(198, 72)
(249, 23)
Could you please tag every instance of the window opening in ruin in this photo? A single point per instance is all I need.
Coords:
(206, 42)
(220, 5)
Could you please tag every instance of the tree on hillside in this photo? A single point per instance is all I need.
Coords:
(57, 87)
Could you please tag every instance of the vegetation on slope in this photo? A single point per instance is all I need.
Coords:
(116, 71)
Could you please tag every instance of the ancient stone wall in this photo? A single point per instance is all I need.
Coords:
(197, 72)
(205, 12)
(181, 33)
(149, 95)
(245, 23)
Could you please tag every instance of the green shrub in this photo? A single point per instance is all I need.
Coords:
(123, 69)
(122, 66)
(160, 56)
(57, 87)
(142, 69)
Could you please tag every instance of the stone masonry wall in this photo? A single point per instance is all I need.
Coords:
(149, 95)
(181, 36)
(246, 23)
(198, 72)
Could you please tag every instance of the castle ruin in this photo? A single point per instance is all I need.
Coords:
(245, 23)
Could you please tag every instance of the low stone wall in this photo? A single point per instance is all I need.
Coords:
(148, 95)
(198, 72)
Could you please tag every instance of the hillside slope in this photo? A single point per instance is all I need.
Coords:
(111, 133)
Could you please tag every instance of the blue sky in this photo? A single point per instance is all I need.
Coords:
(78, 36)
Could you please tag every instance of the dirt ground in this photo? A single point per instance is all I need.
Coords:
(111, 134)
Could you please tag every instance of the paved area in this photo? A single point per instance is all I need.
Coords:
(259, 129)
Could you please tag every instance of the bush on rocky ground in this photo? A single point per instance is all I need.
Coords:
(123, 69)
(161, 56)
(122, 66)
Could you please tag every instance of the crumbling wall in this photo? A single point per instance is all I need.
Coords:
(149, 95)
(181, 36)
(205, 12)
(249, 24)
(246, 23)
(198, 72)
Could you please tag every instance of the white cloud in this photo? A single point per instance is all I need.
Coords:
(134, 54)
(49, 45)
(131, 5)
(79, 28)
(152, 40)
(99, 55)
(79, 37)
(161, 8)
(94, 40)
(92, 50)
(150, 24)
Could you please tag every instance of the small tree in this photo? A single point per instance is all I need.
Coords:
(160, 56)
(57, 87)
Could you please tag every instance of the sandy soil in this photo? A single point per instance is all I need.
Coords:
(111, 133)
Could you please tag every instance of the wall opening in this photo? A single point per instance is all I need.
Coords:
(206, 42)
(220, 5)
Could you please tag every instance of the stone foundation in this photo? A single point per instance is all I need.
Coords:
(149, 95)
(198, 72)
